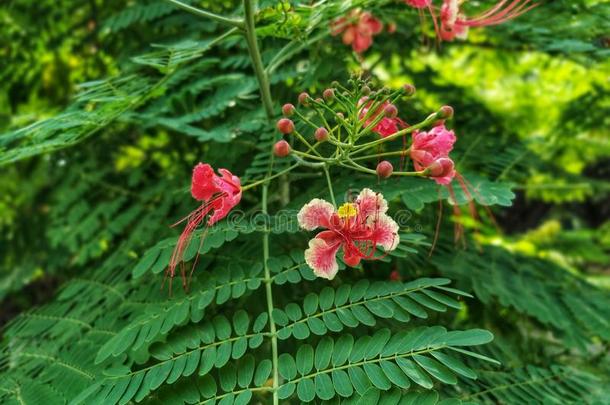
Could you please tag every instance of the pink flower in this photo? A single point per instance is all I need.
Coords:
(358, 29)
(386, 126)
(454, 24)
(357, 228)
(218, 194)
(419, 3)
(430, 150)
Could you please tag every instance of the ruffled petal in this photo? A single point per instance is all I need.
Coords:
(370, 203)
(373, 24)
(321, 257)
(361, 42)
(385, 232)
(203, 185)
(314, 214)
(443, 141)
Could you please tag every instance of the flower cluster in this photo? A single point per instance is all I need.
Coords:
(348, 129)
(357, 28)
(356, 228)
(346, 121)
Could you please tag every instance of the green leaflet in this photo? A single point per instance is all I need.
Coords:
(372, 363)
(362, 303)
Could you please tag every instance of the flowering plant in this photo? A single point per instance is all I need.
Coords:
(315, 264)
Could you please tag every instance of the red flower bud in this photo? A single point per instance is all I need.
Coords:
(304, 99)
(287, 110)
(384, 169)
(281, 148)
(440, 168)
(321, 134)
(390, 111)
(409, 89)
(445, 112)
(328, 94)
(285, 125)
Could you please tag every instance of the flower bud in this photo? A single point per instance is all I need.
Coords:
(440, 168)
(319, 100)
(321, 134)
(384, 169)
(409, 89)
(285, 125)
(445, 112)
(304, 99)
(335, 83)
(366, 90)
(390, 111)
(287, 110)
(391, 27)
(328, 94)
(281, 148)
(340, 115)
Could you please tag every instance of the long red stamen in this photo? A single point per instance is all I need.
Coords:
(458, 228)
(193, 220)
(437, 29)
(485, 203)
(496, 15)
(438, 222)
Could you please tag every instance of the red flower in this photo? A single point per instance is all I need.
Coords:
(430, 150)
(454, 24)
(358, 29)
(386, 126)
(219, 194)
(357, 228)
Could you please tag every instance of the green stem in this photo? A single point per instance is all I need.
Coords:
(269, 294)
(255, 55)
(378, 155)
(306, 143)
(432, 118)
(308, 156)
(202, 13)
(330, 185)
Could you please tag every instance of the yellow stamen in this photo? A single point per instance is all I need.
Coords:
(347, 210)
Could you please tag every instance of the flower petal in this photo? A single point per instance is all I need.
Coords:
(321, 257)
(203, 186)
(385, 232)
(371, 203)
(314, 214)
